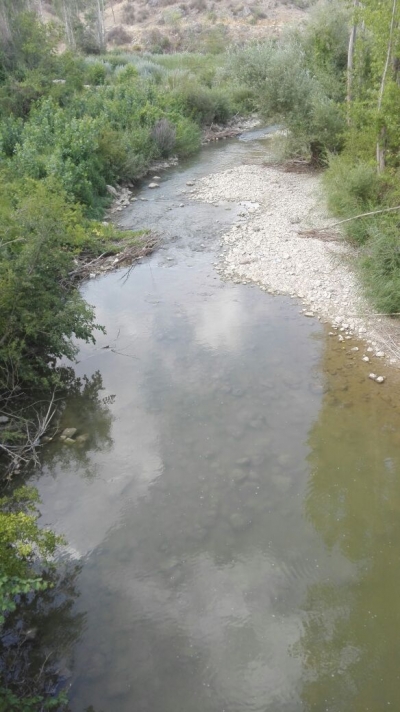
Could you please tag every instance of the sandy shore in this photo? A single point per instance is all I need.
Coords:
(266, 248)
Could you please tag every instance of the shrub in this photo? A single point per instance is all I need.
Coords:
(119, 36)
(164, 136)
(188, 138)
(204, 105)
(10, 135)
(288, 91)
(38, 315)
(96, 73)
(128, 14)
(199, 5)
(142, 15)
(381, 268)
(351, 187)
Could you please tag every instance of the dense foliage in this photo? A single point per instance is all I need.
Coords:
(68, 127)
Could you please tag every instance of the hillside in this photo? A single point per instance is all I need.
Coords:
(167, 26)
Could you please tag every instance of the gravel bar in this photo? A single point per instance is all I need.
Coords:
(266, 247)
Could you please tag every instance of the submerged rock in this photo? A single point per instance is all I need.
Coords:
(68, 433)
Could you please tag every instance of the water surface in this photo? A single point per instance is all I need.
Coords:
(236, 507)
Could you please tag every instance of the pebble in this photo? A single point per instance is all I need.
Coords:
(380, 379)
(355, 348)
(380, 354)
(3, 419)
(366, 359)
(372, 376)
(308, 313)
(153, 185)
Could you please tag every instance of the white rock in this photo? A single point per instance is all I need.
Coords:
(373, 376)
(380, 379)
(153, 185)
(380, 354)
(308, 313)
(365, 359)
(355, 348)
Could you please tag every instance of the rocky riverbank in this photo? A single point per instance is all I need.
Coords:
(272, 247)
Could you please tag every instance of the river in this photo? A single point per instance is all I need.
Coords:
(235, 511)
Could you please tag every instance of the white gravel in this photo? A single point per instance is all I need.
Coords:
(265, 247)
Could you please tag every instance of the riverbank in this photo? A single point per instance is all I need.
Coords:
(270, 248)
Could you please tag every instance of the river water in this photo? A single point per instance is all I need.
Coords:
(235, 511)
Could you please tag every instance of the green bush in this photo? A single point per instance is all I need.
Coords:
(96, 73)
(351, 187)
(381, 267)
(39, 315)
(204, 105)
(188, 138)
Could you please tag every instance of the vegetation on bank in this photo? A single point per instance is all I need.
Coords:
(335, 84)
(69, 126)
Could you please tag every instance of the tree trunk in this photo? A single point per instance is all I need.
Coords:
(380, 151)
(100, 24)
(350, 62)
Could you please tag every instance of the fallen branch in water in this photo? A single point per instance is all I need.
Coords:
(355, 217)
(130, 252)
(26, 452)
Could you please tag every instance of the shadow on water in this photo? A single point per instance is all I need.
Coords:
(234, 509)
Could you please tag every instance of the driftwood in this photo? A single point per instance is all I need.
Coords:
(108, 261)
(22, 454)
(216, 135)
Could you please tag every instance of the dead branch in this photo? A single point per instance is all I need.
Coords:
(355, 217)
(26, 452)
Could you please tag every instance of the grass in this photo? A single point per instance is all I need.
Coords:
(354, 188)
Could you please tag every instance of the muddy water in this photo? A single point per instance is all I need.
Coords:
(235, 510)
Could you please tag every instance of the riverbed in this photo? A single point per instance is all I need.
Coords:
(235, 509)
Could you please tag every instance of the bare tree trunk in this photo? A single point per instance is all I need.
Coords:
(69, 28)
(101, 34)
(380, 150)
(350, 62)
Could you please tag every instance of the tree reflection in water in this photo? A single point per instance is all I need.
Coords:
(350, 646)
(37, 639)
(84, 408)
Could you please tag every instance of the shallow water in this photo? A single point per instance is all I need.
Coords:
(236, 508)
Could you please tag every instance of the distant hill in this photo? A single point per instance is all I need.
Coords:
(170, 25)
